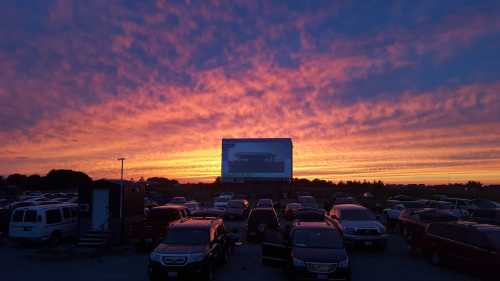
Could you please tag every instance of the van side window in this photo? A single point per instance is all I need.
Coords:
(74, 211)
(53, 216)
(67, 213)
(30, 216)
(18, 216)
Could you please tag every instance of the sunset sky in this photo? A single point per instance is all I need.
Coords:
(398, 91)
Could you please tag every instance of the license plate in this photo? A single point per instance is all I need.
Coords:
(172, 274)
(322, 276)
(368, 243)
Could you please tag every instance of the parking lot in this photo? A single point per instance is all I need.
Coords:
(20, 264)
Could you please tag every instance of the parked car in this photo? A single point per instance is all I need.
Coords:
(192, 206)
(310, 215)
(261, 220)
(308, 202)
(265, 203)
(413, 223)
(489, 216)
(44, 223)
(358, 225)
(291, 209)
(208, 212)
(179, 200)
(482, 204)
(229, 195)
(391, 215)
(471, 246)
(237, 209)
(312, 251)
(344, 200)
(221, 202)
(191, 249)
(157, 221)
(449, 207)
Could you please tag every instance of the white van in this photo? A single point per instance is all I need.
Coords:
(41, 223)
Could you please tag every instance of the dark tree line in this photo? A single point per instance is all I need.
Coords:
(54, 180)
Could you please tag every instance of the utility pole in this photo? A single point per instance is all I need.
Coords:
(122, 200)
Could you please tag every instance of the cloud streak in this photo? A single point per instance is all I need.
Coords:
(163, 83)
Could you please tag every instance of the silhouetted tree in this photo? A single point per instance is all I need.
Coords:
(17, 180)
(34, 182)
(64, 179)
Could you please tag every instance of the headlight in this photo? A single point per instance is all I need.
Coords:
(154, 256)
(344, 263)
(196, 257)
(298, 263)
(381, 229)
(349, 230)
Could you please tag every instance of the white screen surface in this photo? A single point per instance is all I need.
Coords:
(256, 158)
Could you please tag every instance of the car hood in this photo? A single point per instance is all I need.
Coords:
(319, 254)
(361, 224)
(180, 249)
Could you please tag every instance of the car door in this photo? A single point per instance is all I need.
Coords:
(275, 249)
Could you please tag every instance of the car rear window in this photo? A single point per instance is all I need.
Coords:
(263, 216)
(356, 215)
(165, 213)
(53, 216)
(30, 216)
(18, 216)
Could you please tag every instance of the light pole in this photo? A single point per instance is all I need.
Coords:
(122, 199)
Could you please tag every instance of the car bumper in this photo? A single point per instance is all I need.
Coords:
(304, 274)
(365, 239)
(157, 271)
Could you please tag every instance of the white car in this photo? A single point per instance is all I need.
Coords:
(359, 225)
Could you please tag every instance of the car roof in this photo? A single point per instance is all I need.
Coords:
(478, 226)
(196, 222)
(44, 207)
(316, 224)
(349, 207)
(170, 206)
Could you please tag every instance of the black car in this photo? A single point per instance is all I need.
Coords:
(191, 249)
(312, 251)
(260, 221)
(490, 216)
(309, 214)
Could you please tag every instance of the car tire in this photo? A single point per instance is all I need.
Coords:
(435, 258)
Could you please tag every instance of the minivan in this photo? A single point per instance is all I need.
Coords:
(44, 223)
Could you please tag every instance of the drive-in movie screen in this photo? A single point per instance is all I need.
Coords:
(256, 158)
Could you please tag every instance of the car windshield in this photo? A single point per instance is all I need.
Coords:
(356, 215)
(317, 238)
(186, 236)
(294, 206)
(235, 204)
(178, 200)
(494, 237)
(265, 202)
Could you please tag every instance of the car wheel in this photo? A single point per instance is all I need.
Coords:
(436, 258)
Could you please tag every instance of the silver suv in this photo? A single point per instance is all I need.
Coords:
(358, 225)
